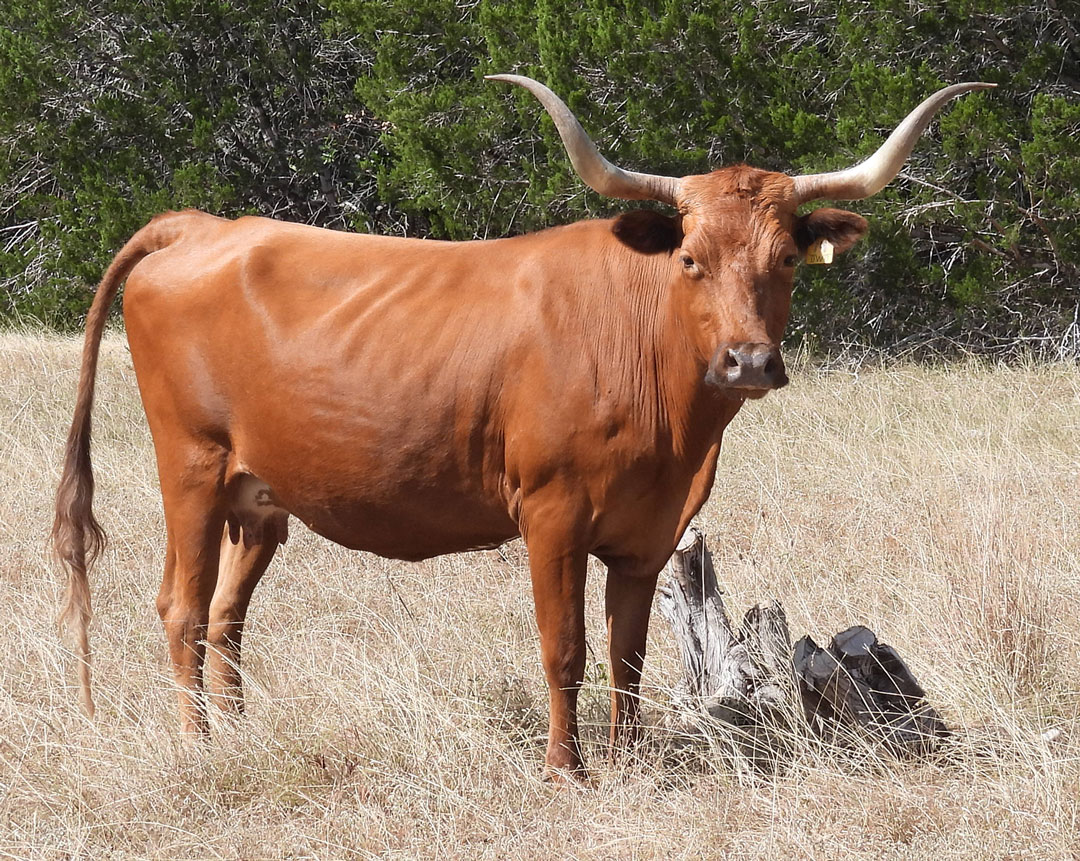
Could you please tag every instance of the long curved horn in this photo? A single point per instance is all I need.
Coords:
(596, 171)
(872, 175)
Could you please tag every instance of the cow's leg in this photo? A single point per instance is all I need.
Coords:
(558, 578)
(628, 602)
(193, 497)
(240, 568)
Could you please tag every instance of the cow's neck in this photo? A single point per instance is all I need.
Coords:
(674, 405)
(695, 412)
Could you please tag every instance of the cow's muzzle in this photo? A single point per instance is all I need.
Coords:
(747, 370)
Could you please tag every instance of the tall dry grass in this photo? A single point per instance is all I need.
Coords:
(398, 710)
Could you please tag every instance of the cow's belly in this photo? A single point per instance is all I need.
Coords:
(391, 501)
(412, 530)
(402, 531)
(372, 461)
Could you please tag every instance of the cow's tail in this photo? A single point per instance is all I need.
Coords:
(77, 537)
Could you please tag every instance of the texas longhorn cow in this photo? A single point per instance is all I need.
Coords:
(414, 398)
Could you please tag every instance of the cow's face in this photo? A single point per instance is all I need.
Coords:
(733, 269)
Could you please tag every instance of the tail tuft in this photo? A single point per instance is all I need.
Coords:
(78, 540)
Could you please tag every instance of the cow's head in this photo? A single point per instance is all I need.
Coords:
(736, 239)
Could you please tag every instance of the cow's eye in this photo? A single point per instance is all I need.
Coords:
(791, 260)
(689, 266)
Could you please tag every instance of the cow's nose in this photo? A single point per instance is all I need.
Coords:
(754, 367)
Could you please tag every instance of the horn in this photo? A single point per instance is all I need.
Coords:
(869, 177)
(596, 171)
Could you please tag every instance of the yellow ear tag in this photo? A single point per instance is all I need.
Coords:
(820, 252)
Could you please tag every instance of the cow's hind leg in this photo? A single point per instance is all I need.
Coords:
(195, 505)
(242, 564)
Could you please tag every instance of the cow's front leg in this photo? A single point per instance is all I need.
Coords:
(628, 603)
(558, 578)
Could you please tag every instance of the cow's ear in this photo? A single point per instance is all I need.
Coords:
(648, 232)
(843, 229)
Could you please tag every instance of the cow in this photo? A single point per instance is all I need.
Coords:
(414, 398)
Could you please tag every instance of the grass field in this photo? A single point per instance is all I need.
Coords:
(398, 710)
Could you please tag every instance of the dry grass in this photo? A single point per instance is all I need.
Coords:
(397, 710)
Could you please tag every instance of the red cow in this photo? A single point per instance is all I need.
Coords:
(414, 398)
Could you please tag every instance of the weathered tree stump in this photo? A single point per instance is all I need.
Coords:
(742, 680)
(753, 682)
(860, 685)
(737, 677)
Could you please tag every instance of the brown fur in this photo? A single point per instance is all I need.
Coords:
(414, 398)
